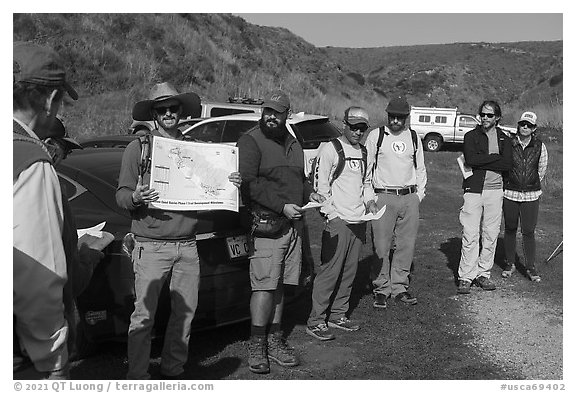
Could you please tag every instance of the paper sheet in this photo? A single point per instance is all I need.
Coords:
(465, 169)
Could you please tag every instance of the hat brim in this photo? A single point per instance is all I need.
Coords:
(527, 120)
(357, 121)
(276, 106)
(190, 102)
(71, 92)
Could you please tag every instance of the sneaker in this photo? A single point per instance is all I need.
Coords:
(320, 332)
(485, 283)
(533, 275)
(464, 287)
(380, 300)
(257, 355)
(280, 352)
(406, 298)
(508, 270)
(344, 324)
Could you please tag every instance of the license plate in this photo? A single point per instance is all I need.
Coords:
(237, 246)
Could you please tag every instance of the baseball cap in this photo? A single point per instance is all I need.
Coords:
(530, 117)
(356, 115)
(398, 106)
(41, 66)
(278, 101)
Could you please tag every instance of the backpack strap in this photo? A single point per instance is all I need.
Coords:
(415, 144)
(341, 160)
(145, 153)
(364, 162)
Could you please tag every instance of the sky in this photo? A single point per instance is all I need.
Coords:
(363, 30)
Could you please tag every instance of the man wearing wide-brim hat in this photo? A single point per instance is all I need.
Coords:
(165, 241)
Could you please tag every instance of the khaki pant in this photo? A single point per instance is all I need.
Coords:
(480, 213)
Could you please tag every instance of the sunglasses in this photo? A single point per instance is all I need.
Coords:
(488, 115)
(357, 127)
(163, 109)
(526, 124)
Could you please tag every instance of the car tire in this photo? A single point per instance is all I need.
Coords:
(432, 143)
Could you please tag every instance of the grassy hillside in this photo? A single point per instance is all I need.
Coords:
(115, 58)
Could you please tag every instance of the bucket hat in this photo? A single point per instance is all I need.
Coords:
(40, 66)
(162, 92)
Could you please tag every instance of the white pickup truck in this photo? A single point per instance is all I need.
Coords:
(436, 126)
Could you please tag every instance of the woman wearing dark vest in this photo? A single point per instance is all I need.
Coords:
(522, 192)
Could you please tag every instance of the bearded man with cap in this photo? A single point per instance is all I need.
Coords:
(344, 232)
(271, 162)
(522, 190)
(396, 161)
(39, 262)
(165, 241)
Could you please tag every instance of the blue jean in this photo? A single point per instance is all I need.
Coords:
(400, 220)
(154, 263)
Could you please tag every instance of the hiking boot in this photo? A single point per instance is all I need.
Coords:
(464, 287)
(508, 270)
(380, 300)
(406, 298)
(485, 283)
(533, 275)
(344, 324)
(320, 332)
(257, 355)
(280, 352)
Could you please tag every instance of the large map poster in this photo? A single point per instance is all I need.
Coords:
(193, 176)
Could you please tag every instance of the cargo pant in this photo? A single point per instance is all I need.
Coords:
(400, 221)
(341, 246)
(154, 263)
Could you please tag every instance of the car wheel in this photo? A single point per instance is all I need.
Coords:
(432, 143)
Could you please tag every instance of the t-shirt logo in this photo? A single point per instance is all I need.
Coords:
(398, 147)
(354, 165)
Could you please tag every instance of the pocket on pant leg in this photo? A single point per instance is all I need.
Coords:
(262, 264)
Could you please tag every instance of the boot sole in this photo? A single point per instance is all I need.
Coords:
(259, 371)
(285, 364)
(319, 337)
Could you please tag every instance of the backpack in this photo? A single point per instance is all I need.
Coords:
(312, 177)
(381, 132)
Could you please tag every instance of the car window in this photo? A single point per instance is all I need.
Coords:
(467, 122)
(217, 112)
(70, 189)
(207, 132)
(234, 129)
(311, 133)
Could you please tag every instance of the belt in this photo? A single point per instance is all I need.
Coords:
(396, 191)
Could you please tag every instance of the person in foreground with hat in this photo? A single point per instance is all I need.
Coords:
(396, 161)
(165, 241)
(80, 261)
(488, 151)
(272, 166)
(39, 262)
(344, 233)
(522, 190)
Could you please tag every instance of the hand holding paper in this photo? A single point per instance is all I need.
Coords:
(94, 237)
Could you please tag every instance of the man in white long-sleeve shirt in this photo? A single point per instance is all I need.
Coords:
(396, 162)
(39, 262)
(341, 179)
